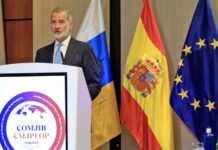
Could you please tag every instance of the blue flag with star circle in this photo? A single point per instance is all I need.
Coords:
(194, 95)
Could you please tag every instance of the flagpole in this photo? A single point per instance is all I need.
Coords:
(115, 50)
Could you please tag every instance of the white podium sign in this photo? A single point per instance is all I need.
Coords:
(44, 106)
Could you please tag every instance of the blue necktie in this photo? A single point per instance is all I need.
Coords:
(58, 58)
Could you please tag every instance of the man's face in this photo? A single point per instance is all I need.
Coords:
(60, 26)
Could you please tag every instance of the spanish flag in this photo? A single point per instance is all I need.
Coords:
(145, 107)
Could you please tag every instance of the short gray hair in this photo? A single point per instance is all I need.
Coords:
(61, 9)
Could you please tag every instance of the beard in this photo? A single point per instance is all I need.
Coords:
(62, 35)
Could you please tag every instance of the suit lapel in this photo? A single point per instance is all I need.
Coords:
(50, 53)
(71, 49)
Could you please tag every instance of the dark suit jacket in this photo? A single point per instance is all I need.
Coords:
(78, 54)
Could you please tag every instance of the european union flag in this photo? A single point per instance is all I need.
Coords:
(194, 95)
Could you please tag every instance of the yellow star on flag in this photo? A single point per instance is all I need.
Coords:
(214, 44)
(181, 63)
(178, 79)
(196, 104)
(187, 50)
(183, 94)
(210, 105)
(201, 43)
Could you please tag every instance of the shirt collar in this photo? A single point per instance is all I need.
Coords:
(65, 42)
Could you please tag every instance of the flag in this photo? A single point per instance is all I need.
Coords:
(145, 106)
(194, 95)
(105, 116)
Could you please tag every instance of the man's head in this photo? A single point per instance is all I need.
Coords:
(61, 23)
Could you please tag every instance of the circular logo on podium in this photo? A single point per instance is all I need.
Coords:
(32, 120)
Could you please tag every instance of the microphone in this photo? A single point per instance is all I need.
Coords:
(62, 57)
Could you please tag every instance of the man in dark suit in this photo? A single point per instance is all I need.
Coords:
(73, 52)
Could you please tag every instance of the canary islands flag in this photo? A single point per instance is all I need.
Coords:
(145, 106)
(194, 95)
(105, 117)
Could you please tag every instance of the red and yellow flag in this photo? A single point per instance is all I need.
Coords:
(145, 107)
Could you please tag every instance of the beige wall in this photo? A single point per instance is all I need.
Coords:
(2, 45)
